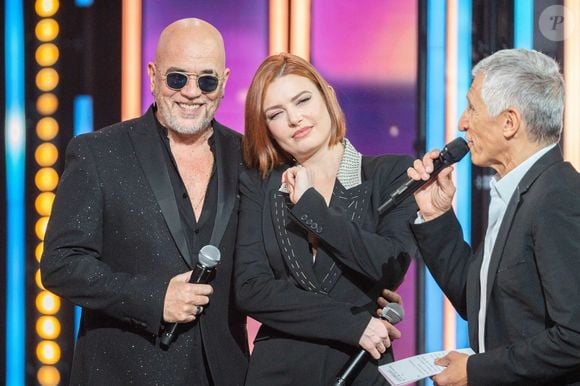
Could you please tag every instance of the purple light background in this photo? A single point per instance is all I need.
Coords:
(367, 50)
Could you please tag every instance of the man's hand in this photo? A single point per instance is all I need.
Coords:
(377, 336)
(455, 373)
(434, 198)
(184, 301)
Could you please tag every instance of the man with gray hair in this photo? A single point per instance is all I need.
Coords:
(519, 290)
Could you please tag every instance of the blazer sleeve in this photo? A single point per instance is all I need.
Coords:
(374, 253)
(278, 302)
(72, 266)
(447, 256)
(554, 354)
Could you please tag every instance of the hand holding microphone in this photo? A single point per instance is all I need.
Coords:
(425, 171)
(392, 313)
(183, 302)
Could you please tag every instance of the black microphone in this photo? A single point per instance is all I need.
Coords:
(208, 258)
(392, 313)
(453, 152)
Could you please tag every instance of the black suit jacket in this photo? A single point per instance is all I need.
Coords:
(313, 315)
(114, 241)
(533, 312)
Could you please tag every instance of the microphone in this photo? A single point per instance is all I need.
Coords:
(392, 313)
(453, 152)
(208, 258)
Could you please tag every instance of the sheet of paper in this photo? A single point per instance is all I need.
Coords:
(409, 370)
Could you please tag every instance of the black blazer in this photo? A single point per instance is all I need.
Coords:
(314, 314)
(114, 241)
(533, 312)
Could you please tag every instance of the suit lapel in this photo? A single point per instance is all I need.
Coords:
(227, 161)
(535, 171)
(148, 148)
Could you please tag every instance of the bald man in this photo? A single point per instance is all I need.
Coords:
(136, 203)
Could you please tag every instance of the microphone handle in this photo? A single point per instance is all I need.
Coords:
(353, 365)
(200, 274)
(411, 186)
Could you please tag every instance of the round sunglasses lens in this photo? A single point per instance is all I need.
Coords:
(176, 80)
(207, 83)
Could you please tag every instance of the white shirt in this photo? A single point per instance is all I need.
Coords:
(501, 190)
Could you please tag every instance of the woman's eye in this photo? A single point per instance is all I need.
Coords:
(274, 115)
(303, 100)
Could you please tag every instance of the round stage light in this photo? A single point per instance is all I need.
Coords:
(48, 352)
(47, 79)
(38, 251)
(46, 30)
(47, 128)
(45, 8)
(48, 376)
(48, 327)
(38, 280)
(46, 54)
(46, 179)
(47, 303)
(43, 203)
(40, 227)
(46, 104)
(46, 154)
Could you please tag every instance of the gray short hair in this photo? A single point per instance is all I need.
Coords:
(529, 81)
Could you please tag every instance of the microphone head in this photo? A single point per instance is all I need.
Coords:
(392, 313)
(454, 151)
(209, 256)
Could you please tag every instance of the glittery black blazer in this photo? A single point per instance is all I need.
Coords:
(113, 242)
(313, 314)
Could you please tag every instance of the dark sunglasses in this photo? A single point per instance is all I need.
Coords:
(177, 80)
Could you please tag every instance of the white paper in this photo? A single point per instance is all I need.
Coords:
(409, 370)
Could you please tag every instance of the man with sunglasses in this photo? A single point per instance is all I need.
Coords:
(136, 203)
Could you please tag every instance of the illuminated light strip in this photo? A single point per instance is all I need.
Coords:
(300, 28)
(83, 123)
(435, 138)
(463, 168)
(450, 133)
(131, 59)
(523, 24)
(15, 142)
(572, 78)
(83, 3)
(278, 26)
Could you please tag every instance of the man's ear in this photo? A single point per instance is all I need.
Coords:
(512, 122)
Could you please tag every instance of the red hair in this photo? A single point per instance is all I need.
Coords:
(260, 150)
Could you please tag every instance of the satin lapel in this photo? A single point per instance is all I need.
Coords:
(227, 164)
(148, 148)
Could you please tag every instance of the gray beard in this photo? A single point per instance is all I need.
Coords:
(204, 124)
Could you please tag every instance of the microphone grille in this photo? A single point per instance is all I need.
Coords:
(392, 313)
(455, 150)
(209, 256)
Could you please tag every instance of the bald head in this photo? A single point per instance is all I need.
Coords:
(190, 39)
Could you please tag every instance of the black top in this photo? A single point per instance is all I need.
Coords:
(198, 235)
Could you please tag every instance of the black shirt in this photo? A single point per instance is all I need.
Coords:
(198, 234)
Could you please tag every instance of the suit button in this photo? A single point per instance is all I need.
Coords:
(314, 225)
(309, 221)
(319, 229)
(304, 217)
